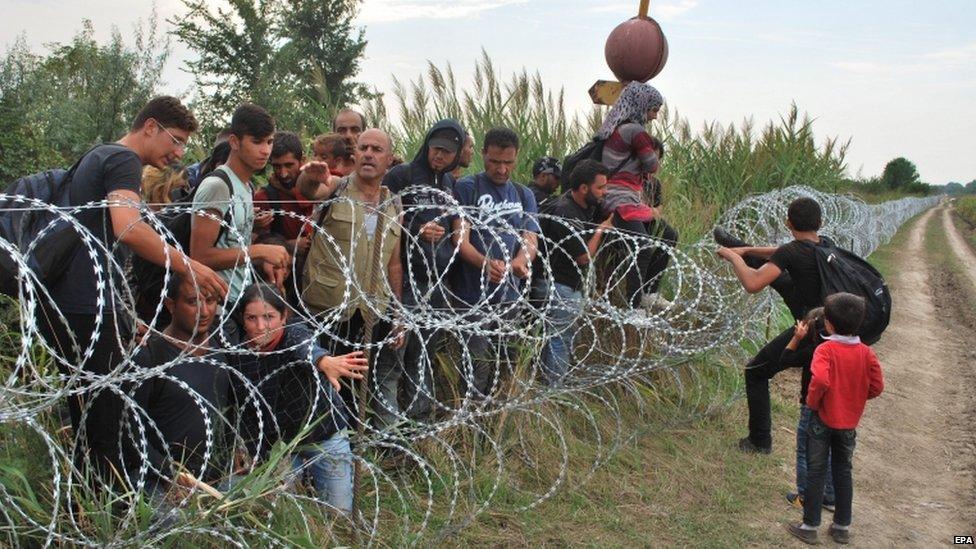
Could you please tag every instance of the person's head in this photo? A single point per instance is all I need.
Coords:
(349, 124)
(443, 148)
(588, 181)
(163, 127)
(222, 136)
(332, 149)
(814, 319)
(158, 185)
(287, 155)
(263, 313)
(844, 313)
(546, 172)
(804, 215)
(500, 153)
(252, 136)
(467, 152)
(638, 103)
(374, 153)
(192, 313)
(218, 157)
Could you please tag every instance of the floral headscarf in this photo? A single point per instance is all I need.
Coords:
(635, 100)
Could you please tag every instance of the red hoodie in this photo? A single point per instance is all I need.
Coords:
(844, 376)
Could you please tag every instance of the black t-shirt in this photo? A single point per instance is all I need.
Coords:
(107, 168)
(180, 419)
(800, 260)
(566, 235)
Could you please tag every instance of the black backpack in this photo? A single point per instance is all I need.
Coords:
(147, 277)
(844, 271)
(46, 238)
(593, 150)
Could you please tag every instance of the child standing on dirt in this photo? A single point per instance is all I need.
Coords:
(799, 354)
(845, 373)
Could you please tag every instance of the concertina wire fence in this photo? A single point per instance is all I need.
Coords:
(459, 458)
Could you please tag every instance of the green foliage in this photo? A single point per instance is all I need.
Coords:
(54, 107)
(292, 57)
(899, 173)
(966, 208)
(702, 171)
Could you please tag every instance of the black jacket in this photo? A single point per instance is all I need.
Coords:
(421, 190)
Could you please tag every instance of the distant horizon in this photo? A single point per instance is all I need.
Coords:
(895, 79)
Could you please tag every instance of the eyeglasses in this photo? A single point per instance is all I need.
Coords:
(177, 142)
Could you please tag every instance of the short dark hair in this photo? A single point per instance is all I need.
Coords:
(585, 172)
(845, 312)
(501, 137)
(287, 142)
(260, 292)
(253, 120)
(169, 112)
(174, 285)
(362, 119)
(805, 214)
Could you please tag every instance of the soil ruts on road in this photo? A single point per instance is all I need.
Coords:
(913, 467)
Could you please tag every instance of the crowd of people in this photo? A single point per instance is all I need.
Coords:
(224, 341)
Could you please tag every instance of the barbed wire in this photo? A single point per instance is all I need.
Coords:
(423, 477)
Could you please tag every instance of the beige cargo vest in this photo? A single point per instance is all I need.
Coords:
(325, 278)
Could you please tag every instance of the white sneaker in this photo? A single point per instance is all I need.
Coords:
(652, 301)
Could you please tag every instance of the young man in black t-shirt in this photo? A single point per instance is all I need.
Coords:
(571, 243)
(181, 408)
(84, 321)
(804, 219)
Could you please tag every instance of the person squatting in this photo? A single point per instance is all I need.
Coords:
(319, 304)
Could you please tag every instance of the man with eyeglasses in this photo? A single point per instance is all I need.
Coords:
(84, 322)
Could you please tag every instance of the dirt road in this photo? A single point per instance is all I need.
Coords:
(914, 463)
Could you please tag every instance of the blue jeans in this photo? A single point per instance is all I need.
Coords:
(802, 430)
(565, 308)
(329, 464)
(839, 444)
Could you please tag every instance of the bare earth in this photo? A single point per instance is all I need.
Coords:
(914, 482)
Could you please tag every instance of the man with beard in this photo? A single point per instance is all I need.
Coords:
(572, 242)
(467, 155)
(280, 195)
(349, 124)
(426, 188)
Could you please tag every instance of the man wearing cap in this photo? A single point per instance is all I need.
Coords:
(545, 173)
(426, 189)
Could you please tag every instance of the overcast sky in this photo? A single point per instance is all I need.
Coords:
(897, 77)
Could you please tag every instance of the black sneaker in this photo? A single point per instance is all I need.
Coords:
(746, 445)
(839, 535)
(810, 537)
(723, 238)
(829, 505)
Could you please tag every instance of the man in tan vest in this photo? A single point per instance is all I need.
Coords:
(345, 283)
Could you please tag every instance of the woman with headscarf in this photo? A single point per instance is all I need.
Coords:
(633, 156)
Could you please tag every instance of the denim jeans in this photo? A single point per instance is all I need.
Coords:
(802, 431)
(329, 465)
(565, 308)
(839, 444)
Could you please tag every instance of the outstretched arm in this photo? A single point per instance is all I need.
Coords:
(753, 280)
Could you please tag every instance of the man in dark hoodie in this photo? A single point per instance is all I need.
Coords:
(426, 187)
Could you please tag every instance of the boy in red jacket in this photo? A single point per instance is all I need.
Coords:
(845, 374)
